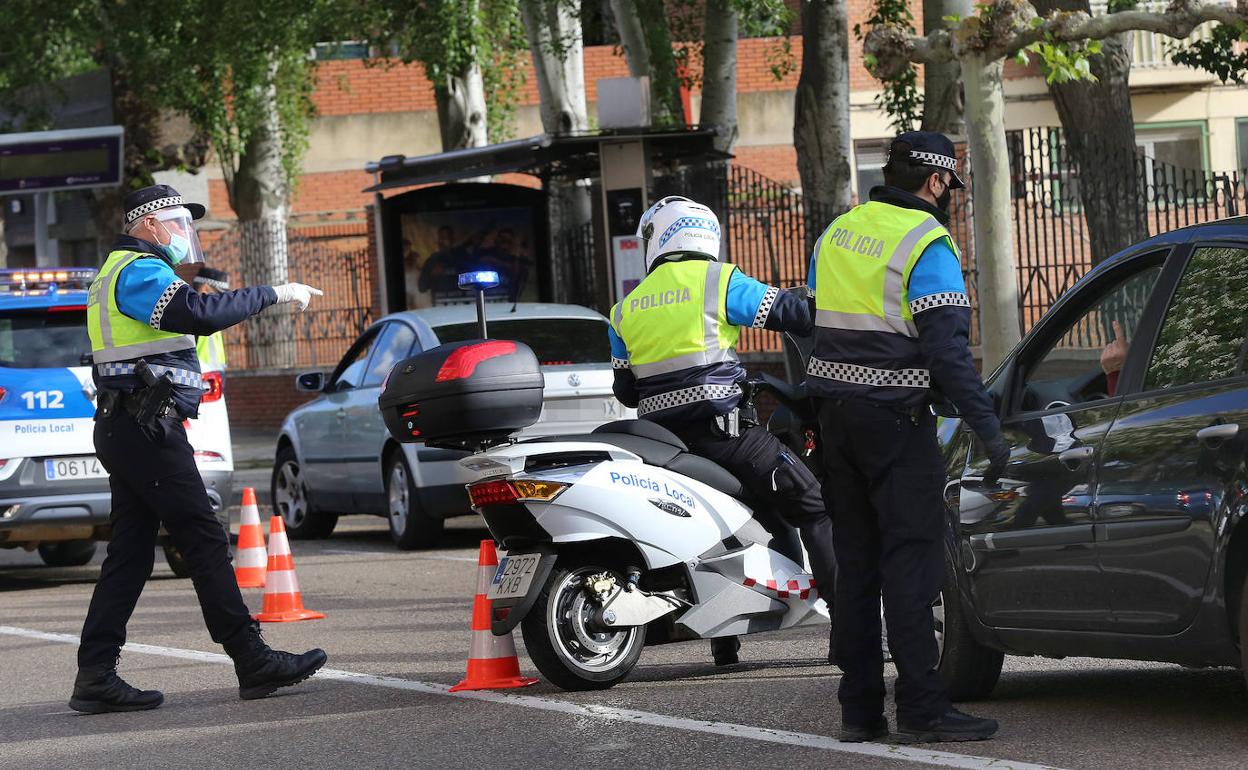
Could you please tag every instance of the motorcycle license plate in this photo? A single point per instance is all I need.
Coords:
(58, 468)
(515, 573)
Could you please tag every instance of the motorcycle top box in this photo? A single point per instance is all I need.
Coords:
(464, 394)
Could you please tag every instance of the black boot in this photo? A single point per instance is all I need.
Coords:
(261, 669)
(851, 733)
(953, 725)
(98, 690)
(724, 650)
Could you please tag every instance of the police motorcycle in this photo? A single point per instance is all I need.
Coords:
(615, 539)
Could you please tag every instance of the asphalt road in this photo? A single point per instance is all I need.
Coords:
(397, 637)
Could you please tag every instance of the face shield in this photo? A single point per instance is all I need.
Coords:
(180, 243)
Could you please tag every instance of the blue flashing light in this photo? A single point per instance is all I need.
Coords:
(31, 281)
(478, 280)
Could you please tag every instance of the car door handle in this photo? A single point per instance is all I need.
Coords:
(1074, 457)
(1216, 434)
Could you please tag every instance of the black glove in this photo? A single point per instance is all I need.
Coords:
(998, 459)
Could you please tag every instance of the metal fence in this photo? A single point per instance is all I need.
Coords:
(317, 337)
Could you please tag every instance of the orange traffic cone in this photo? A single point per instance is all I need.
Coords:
(282, 601)
(250, 556)
(492, 661)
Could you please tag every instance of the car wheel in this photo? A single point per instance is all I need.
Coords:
(410, 527)
(1243, 629)
(290, 500)
(68, 553)
(970, 670)
(177, 562)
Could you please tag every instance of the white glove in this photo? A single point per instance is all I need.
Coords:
(297, 292)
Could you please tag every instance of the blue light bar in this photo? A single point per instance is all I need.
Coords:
(478, 280)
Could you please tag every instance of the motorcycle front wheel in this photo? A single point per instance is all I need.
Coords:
(567, 646)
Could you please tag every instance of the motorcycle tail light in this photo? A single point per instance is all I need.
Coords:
(463, 362)
(204, 456)
(3, 394)
(214, 386)
(485, 493)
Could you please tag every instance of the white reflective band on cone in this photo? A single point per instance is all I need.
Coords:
(485, 645)
(281, 582)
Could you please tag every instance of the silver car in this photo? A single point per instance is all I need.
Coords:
(335, 457)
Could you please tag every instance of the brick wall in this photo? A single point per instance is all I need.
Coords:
(259, 401)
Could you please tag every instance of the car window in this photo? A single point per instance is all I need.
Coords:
(350, 371)
(1202, 336)
(43, 339)
(1084, 362)
(391, 347)
(555, 341)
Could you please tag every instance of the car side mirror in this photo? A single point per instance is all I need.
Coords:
(310, 382)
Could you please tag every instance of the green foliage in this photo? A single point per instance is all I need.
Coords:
(1222, 54)
(448, 36)
(755, 18)
(1063, 62)
(900, 98)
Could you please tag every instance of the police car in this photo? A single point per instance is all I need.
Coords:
(54, 493)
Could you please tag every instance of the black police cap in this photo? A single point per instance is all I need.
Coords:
(158, 196)
(928, 148)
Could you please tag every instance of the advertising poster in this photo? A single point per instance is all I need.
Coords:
(439, 245)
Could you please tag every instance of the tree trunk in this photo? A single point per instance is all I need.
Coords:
(647, 44)
(719, 73)
(821, 120)
(1099, 129)
(259, 196)
(554, 31)
(460, 99)
(997, 285)
(943, 102)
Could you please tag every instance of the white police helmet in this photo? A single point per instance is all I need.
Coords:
(675, 227)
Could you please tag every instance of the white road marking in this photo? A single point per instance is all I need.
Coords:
(922, 756)
(435, 556)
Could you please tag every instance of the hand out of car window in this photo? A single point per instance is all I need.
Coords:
(1115, 353)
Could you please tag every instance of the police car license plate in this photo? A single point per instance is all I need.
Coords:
(61, 468)
(515, 573)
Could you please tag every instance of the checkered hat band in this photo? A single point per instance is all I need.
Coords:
(865, 375)
(686, 396)
(149, 207)
(935, 159)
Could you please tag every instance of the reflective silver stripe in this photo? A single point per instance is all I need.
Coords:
(710, 306)
(619, 363)
(897, 265)
(686, 396)
(864, 322)
(687, 361)
(865, 375)
(162, 302)
(943, 299)
(764, 307)
(140, 349)
(619, 315)
(180, 376)
(107, 288)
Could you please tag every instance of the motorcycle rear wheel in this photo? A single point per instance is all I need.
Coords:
(570, 650)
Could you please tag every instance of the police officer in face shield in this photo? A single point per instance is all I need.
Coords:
(673, 350)
(143, 320)
(892, 322)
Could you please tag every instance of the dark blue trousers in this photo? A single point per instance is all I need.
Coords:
(884, 485)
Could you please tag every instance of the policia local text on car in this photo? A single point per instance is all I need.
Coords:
(673, 349)
(142, 320)
(891, 323)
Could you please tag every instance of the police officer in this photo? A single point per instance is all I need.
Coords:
(210, 348)
(891, 327)
(140, 317)
(673, 349)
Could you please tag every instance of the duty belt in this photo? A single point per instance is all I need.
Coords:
(184, 377)
(865, 375)
(686, 396)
